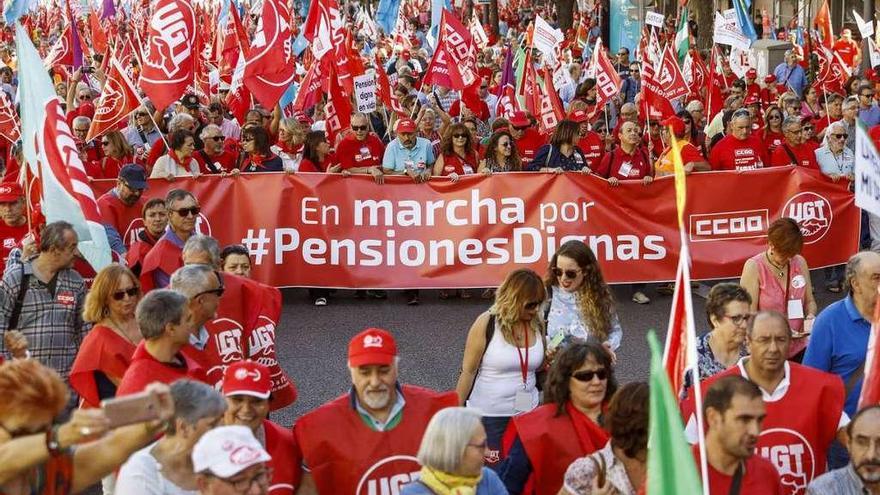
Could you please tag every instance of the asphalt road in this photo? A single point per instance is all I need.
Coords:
(312, 341)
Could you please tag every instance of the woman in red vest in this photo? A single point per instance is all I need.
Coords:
(117, 153)
(106, 350)
(541, 444)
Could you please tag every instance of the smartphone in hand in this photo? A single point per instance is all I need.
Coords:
(131, 409)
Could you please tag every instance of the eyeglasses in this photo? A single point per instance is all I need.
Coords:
(738, 319)
(79, 129)
(357, 128)
(559, 272)
(247, 139)
(186, 212)
(460, 136)
(215, 138)
(85, 97)
(218, 291)
(533, 305)
(868, 95)
(506, 144)
(142, 114)
(131, 292)
(840, 136)
(105, 143)
(587, 376)
(795, 131)
(262, 478)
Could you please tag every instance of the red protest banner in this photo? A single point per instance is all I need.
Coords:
(324, 230)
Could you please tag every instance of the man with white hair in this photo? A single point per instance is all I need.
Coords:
(368, 437)
(229, 460)
(837, 162)
(213, 158)
(89, 151)
(790, 74)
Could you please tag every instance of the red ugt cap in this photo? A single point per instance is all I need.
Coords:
(372, 346)
(247, 378)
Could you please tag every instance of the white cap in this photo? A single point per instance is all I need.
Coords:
(228, 450)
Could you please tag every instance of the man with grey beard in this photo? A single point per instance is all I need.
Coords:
(369, 437)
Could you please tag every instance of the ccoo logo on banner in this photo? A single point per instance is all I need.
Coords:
(867, 171)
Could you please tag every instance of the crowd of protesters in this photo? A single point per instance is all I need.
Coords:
(537, 408)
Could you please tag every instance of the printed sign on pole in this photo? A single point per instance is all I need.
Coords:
(365, 92)
(867, 172)
(654, 19)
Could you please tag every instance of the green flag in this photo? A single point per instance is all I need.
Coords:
(671, 466)
(682, 39)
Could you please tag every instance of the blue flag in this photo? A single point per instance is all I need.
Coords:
(386, 14)
(742, 17)
(15, 9)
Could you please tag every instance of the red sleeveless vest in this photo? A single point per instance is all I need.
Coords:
(286, 471)
(347, 457)
(164, 256)
(552, 444)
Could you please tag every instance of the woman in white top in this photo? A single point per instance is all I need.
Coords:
(505, 349)
(579, 302)
(165, 467)
(179, 161)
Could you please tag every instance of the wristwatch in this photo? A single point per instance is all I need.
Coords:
(52, 444)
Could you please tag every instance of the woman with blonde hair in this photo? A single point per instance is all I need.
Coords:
(117, 154)
(451, 455)
(106, 350)
(504, 351)
(579, 303)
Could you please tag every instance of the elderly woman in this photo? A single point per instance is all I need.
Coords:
(567, 426)
(256, 154)
(561, 154)
(428, 128)
(166, 466)
(179, 161)
(728, 310)
(71, 456)
(451, 455)
(579, 302)
(624, 457)
(458, 153)
(505, 348)
(779, 279)
(236, 259)
(141, 132)
(291, 138)
(500, 155)
(106, 351)
(117, 153)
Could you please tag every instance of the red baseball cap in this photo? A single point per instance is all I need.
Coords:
(372, 346)
(578, 116)
(769, 78)
(751, 99)
(751, 73)
(247, 378)
(677, 124)
(519, 119)
(406, 125)
(10, 191)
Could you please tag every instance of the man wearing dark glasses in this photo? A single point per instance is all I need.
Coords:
(165, 257)
(361, 151)
(528, 139)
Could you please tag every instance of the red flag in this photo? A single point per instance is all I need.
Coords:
(269, 68)
(531, 91)
(99, 37)
(168, 55)
(552, 111)
(697, 74)
(310, 89)
(323, 27)
(670, 77)
(871, 383)
(338, 108)
(822, 21)
(10, 128)
(61, 52)
(383, 86)
(607, 79)
(442, 70)
(654, 101)
(118, 100)
(238, 100)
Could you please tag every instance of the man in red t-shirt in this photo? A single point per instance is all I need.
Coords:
(793, 151)
(215, 157)
(247, 386)
(734, 410)
(752, 86)
(739, 150)
(14, 225)
(628, 161)
(164, 320)
(361, 151)
(527, 139)
(848, 49)
(122, 206)
(589, 142)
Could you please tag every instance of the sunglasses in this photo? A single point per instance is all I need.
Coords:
(218, 291)
(85, 97)
(506, 144)
(142, 114)
(105, 143)
(357, 128)
(460, 136)
(247, 139)
(120, 294)
(521, 128)
(587, 376)
(533, 305)
(840, 136)
(868, 95)
(186, 212)
(215, 138)
(559, 272)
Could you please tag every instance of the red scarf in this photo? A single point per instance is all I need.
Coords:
(258, 160)
(590, 435)
(290, 149)
(176, 160)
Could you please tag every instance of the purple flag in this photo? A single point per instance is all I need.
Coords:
(108, 10)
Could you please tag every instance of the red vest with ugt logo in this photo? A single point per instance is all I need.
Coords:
(125, 219)
(244, 328)
(347, 457)
(799, 427)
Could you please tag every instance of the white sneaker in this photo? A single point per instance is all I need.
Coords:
(321, 301)
(640, 298)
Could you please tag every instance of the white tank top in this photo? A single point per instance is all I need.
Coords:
(500, 376)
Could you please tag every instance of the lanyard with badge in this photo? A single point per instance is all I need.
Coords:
(522, 401)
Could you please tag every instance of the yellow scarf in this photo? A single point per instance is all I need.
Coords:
(449, 484)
